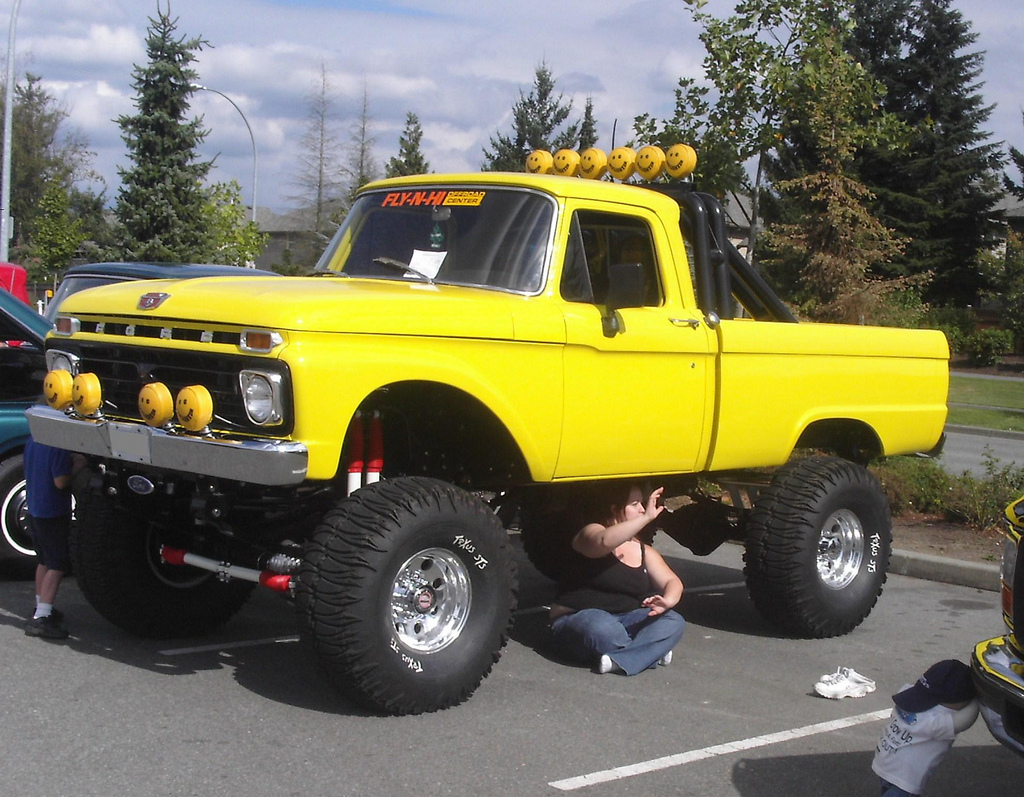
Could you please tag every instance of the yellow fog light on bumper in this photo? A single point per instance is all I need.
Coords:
(86, 395)
(57, 387)
(194, 407)
(156, 405)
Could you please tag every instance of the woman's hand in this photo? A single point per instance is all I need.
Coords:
(657, 605)
(653, 508)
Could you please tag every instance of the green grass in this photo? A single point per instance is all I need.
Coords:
(987, 419)
(987, 392)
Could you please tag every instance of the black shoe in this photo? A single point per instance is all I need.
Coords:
(46, 627)
(57, 615)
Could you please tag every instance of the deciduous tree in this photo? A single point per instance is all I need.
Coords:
(319, 178)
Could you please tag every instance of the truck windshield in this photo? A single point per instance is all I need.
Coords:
(483, 237)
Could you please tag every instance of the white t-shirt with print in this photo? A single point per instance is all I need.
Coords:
(912, 745)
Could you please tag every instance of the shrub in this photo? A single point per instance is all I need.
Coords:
(980, 502)
(985, 346)
(913, 484)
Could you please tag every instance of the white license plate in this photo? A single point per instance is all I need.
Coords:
(130, 443)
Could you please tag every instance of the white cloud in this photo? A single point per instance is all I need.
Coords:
(459, 65)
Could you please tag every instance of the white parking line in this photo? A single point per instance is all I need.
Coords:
(227, 646)
(571, 784)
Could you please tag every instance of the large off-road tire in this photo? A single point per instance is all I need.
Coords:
(115, 555)
(818, 545)
(406, 593)
(16, 539)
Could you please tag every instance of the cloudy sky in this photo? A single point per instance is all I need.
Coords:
(457, 64)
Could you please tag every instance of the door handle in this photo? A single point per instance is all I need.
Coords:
(692, 323)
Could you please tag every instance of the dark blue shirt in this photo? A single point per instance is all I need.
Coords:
(42, 465)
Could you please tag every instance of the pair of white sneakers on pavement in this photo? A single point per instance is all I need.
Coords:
(844, 682)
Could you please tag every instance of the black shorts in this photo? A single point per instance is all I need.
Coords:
(50, 537)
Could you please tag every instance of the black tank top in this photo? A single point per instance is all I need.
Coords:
(605, 583)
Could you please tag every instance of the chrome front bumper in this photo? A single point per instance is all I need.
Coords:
(269, 462)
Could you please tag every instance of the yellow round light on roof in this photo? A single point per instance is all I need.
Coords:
(567, 162)
(86, 395)
(156, 404)
(593, 163)
(194, 407)
(680, 160)
(57, 387)
(650, 161)
(621, 163)
(540, 161)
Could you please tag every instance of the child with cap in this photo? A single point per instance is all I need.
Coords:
(923, 724)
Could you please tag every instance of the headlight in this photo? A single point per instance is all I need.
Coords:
(261, 395)
(57, 360)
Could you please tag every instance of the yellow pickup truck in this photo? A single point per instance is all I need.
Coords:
(474, 351)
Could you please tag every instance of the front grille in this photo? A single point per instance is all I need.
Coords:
(123, 370)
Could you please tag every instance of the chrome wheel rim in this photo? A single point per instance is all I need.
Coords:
(840, 549)
(14, 520)
(430, 600)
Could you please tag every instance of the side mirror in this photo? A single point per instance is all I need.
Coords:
(626, 288)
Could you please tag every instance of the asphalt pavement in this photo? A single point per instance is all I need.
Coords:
(244, 711)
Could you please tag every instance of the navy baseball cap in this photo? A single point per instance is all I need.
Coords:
(946, 681)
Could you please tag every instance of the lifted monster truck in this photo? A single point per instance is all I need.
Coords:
(472, 343)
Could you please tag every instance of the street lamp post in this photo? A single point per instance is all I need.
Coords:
(5, 191)
(252, 138)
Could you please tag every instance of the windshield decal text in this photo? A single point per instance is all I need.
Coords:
(397, 199)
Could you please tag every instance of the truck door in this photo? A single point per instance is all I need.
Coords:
(635, 401)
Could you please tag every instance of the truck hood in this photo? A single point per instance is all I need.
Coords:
(313, 304)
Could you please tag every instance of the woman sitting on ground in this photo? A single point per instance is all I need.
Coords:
(615, 609)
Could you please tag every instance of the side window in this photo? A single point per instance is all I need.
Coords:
(599, 240)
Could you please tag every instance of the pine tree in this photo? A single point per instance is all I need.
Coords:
(539, 121)
(1017, 158)
(160, 205)
(410, 159)
(939, 193)
(588, 126)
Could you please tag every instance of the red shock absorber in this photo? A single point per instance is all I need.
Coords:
(355, 446)
(375, 457)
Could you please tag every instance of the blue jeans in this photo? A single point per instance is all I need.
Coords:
(633, 640)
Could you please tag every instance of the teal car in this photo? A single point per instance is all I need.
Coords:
(22, 366)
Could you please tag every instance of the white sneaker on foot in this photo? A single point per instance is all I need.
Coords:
(844, 682)
(665, 660)
(605, 665)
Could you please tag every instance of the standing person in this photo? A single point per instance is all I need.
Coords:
(48, 490)
(924, 722)
(615, 610)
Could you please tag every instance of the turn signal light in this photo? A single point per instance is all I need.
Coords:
(86, 395)
(194, 407)
(57, 387)
(156, 405)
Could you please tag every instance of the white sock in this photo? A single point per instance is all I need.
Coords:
(43, 610)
